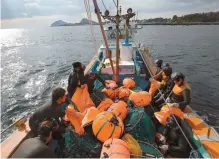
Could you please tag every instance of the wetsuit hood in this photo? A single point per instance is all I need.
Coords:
(177, 76)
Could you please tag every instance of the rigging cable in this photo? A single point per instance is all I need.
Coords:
(114, 3)
(104, 5)
(87, 7)
(103, 33)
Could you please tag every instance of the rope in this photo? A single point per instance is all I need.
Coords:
(104, 5)
(87, 7)
(152, 76)
(114, 3)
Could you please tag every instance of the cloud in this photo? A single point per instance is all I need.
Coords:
(146, 8)
(29, 8)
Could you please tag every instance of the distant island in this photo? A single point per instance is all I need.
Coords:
(210, 18)
(84, 21)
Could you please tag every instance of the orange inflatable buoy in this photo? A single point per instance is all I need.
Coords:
(124, 93)
(106, 125)
(165, 112)
(111, 84)
(115, 148)
(111, 93)
(81, 99)
(90, 115)
(154, 87)
(75, 118)
(105, 104)
(120, 109)
(140, 99)
(128, 83)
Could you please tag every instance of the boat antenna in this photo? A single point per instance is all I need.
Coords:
(117, 43)
(137, 15)
(108, 52)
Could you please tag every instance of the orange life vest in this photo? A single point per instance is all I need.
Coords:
(177, 90)
(164, 78)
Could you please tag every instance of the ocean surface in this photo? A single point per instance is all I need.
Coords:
(34, 61)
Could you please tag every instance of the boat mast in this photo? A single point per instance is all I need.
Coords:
(108, 52)
(117, 43)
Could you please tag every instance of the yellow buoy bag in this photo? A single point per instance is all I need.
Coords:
(133, 146)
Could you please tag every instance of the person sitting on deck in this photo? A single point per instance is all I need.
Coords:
(173, 142)
(158, 75)
(51, 109)
(164, 74)
(158, 63)
(180, 95)
(166, 87)
(181, 92)
(37, 147)
(77, 79)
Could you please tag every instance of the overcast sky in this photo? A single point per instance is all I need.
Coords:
(46, 11)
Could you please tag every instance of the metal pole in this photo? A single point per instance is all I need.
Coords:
(117, 44)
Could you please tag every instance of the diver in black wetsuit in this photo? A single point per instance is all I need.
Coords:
(174, 143)
(167, 86)
(90, 79)
(37, 147)
(76, 78)
(181, 92)
(158, 63)
(51, 109)
(180, 95)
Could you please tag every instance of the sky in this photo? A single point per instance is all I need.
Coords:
(32, 13)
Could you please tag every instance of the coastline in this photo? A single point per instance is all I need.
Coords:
(189, 23)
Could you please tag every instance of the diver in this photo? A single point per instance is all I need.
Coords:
(181, 92)
(166, 64)
(51, 109)
(158, 63)
(76, 78)
(37, 147)
(166, 86)
(158, 75)
(173, 142)
(90, 79)
(164, 73)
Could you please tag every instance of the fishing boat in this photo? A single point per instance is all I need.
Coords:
(118, 58)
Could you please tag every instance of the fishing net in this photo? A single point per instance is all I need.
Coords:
(149, 150)
(194, 154)
(139, 125)
(82, 146)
